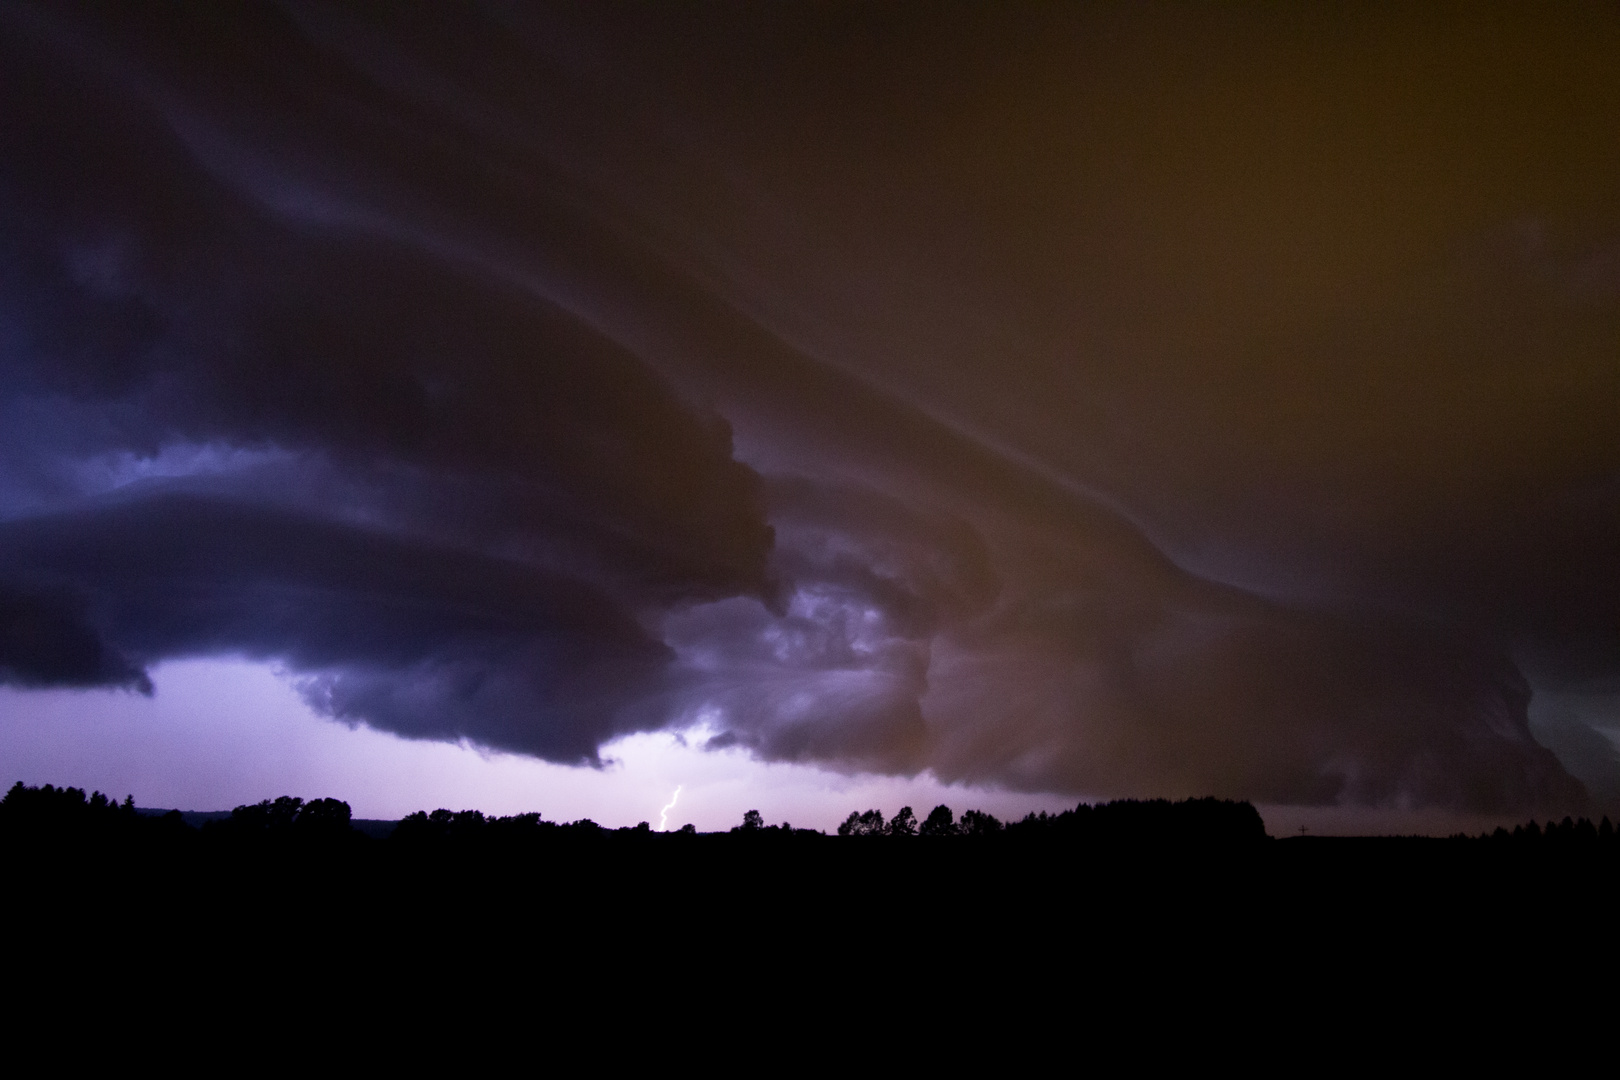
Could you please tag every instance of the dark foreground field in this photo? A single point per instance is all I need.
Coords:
(1185, 867)
(1177, 934)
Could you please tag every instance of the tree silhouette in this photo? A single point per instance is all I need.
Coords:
(979, 823)
(324, 815)
(940, 822)
(869, 823)
(904, 823)
(268, 815)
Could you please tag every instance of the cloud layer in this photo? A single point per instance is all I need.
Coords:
(1121, 405)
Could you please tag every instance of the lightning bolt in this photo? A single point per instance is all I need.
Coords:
(663, 816)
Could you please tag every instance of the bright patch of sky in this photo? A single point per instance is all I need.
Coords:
(219, 733)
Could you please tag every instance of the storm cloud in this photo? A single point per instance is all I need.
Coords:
(1145, 401)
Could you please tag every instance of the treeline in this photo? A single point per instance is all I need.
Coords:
(49, 809)
(54, 809)
(1207, 820)
(62, 815)
(1578, 833)
(48, 812)
(288, 814)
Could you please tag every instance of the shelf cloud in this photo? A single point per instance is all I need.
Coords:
(1147, 402)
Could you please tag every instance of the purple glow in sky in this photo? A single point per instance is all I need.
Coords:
(219, 733)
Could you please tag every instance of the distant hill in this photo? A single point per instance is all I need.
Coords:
(195, 818)
(376, 828)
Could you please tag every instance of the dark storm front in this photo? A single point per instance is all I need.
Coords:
(1078, 400)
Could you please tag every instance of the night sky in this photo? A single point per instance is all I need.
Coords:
(1015, 404)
